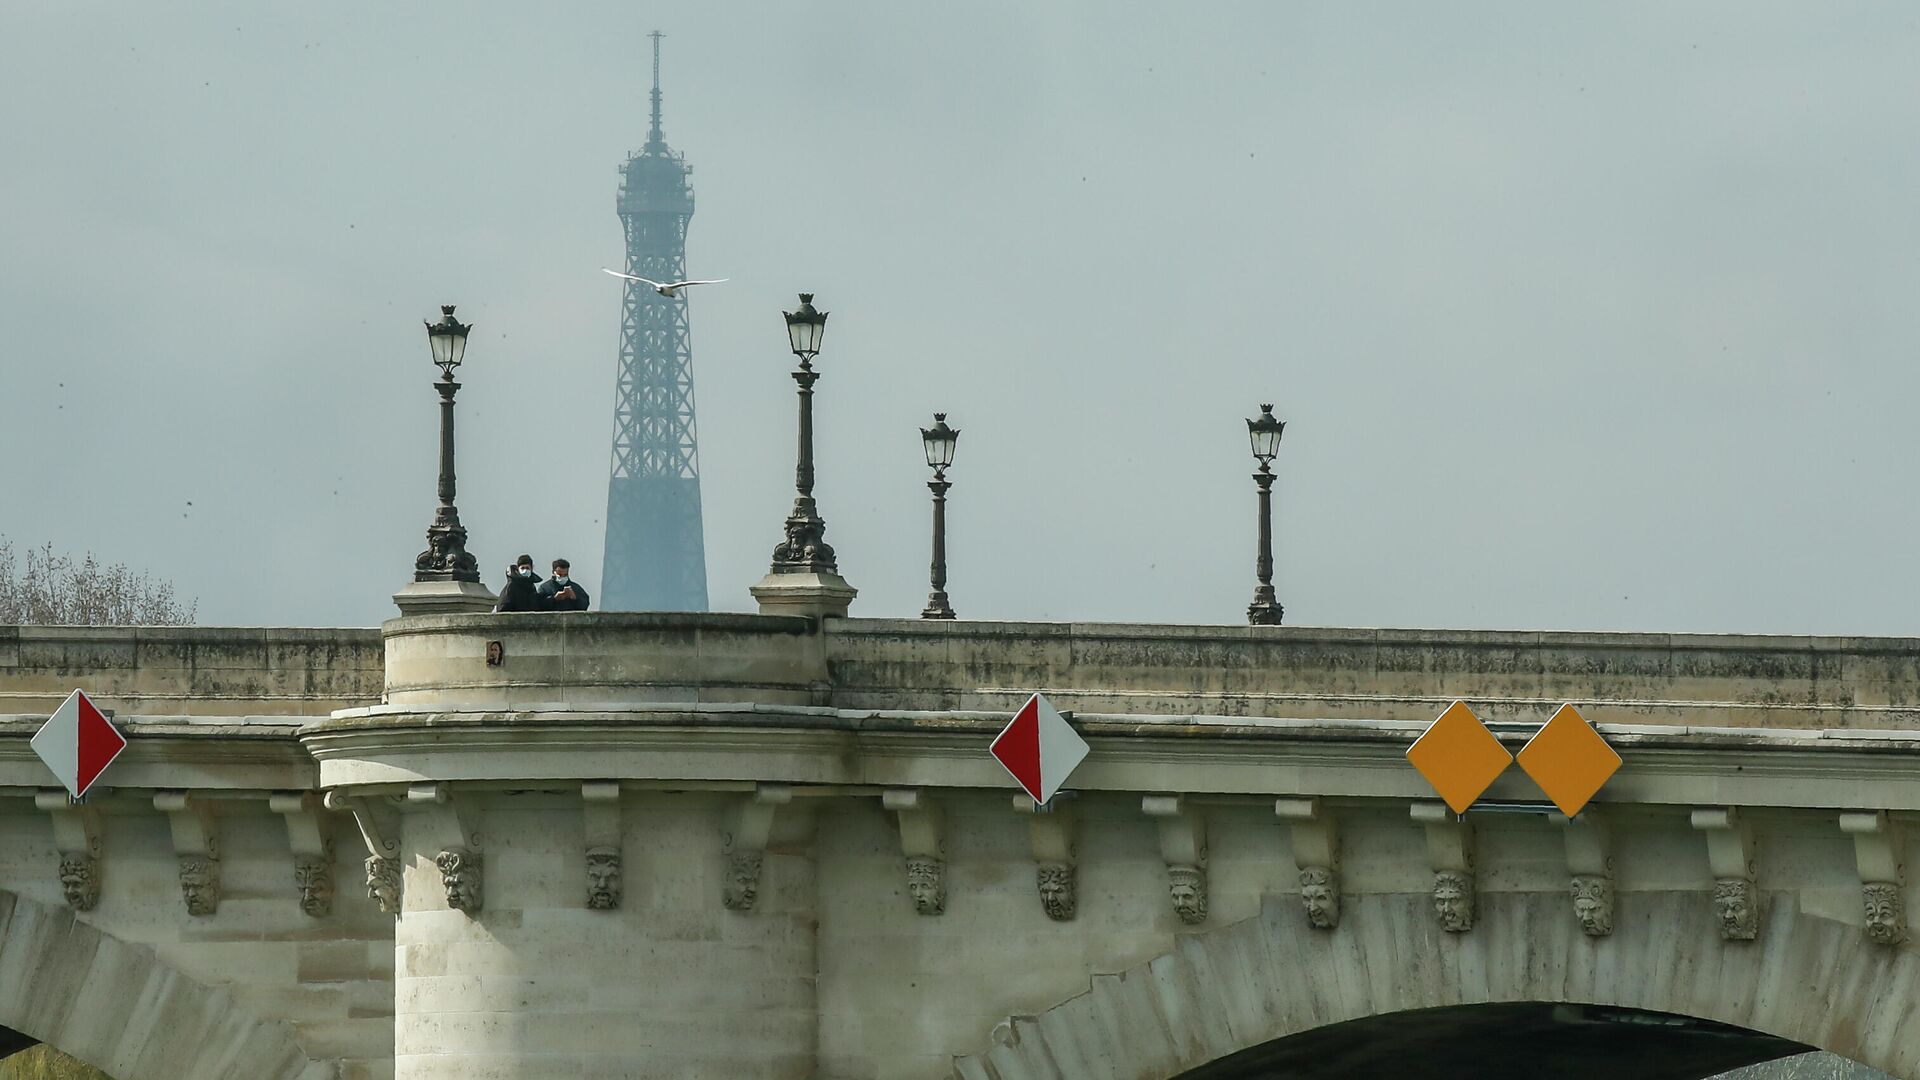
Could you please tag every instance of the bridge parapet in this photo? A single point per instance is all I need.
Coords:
(605, 660)
(578, 660)
(199, 670)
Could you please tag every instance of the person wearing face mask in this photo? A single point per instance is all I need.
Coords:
(562, 593)
(522, 590)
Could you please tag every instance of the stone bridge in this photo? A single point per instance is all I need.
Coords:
(592, 845)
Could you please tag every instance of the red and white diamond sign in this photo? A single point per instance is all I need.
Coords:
(1039, 748)
(78, 742)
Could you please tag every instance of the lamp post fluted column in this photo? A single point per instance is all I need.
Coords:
(804, 578)
(1264, 433)
(805, 550)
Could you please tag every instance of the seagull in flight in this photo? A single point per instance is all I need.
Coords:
(670, 290)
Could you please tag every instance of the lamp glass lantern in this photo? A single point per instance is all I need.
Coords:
(448, 338)
(940, 441)
(805, 328)
(1264, 434)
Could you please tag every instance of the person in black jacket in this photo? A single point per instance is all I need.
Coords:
(522, 590)
(562, 593)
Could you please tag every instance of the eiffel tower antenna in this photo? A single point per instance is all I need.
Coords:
(654, 137)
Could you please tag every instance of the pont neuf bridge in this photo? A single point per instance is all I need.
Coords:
(731, 845)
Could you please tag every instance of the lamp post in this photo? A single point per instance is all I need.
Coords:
(805, 550)
(939, 441)
(446, 557)
(1264, 434)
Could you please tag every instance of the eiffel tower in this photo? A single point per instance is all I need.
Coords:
(656, 549)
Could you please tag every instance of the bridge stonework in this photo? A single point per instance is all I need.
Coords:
(707, 845)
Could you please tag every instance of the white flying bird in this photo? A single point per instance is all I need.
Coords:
(668, 290)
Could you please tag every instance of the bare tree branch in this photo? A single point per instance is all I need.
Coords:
(49, 589)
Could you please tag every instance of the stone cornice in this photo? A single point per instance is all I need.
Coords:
(214, 753)
(1203, 754)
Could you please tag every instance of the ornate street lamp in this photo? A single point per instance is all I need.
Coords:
(805, 550)
(446, 557)
(939, 441)
(1264, 434)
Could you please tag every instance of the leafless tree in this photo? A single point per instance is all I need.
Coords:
(48, 589)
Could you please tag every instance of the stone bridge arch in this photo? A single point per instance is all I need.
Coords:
(118, 1008)
(1230, 990)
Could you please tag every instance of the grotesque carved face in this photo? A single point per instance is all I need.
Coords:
(460, 873)
(1188, 887)
(1321, 896)
(383, 883)
(1453, 901)
(1593, 904)
(927, 884)
(80, 881)
(1733, 906)
(1056, 881)
(743, 880)
(314, 876)
(200, 884)
(603, 879)
(1886, 914)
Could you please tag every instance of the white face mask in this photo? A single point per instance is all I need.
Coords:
(526, 571)
(561, 578)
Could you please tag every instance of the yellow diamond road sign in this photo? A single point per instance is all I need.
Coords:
(1458, 756)
(1569, 760)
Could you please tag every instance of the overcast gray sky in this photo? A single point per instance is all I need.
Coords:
(1589, 318)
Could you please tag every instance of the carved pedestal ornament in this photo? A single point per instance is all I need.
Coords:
(603, 879)
(1316, 851)
(312, 850)
(1450, 851)
(1055, 876)
(927, 884)
(743, 880)
(462, 863)
(1453, 901)
(460, 871)
(1876, 850)
(197, 845)
(1589, 844)
(1188, 887)
(200, 883)
(1320, 894)
(746, 844)
(1056, 883)
(1736, 905)
(600, 817)
(1886, 912)
(313, 876)
(1183, 846)
(77, 837)
(383, 883)
(379, 827)
(922, 842)
(80, 880)
(1593, 904)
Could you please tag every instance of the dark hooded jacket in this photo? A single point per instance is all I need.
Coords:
(520, 593)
